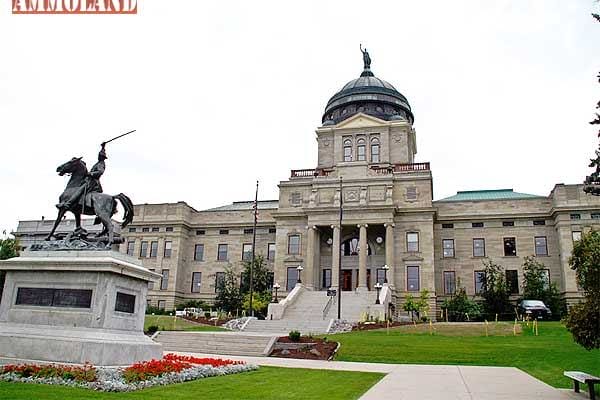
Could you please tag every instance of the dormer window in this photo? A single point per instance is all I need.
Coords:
(361, 150)
(347, 150)
(375, 150)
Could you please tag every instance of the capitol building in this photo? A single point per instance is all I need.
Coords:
(392, 230)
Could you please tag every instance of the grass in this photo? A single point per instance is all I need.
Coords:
(171, 323)
(265, 383)
(545, 356)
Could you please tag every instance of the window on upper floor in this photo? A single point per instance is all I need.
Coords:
(510, 246)
(541, 246)
(247, 252)
(412, 279)
(595, 215)
(272, 230)
(449, 282)
(153, 249)
(508, 223)
(200, 232)
(539, 222)
(145, 229)
(447, 226)
(546, 278)
(448, 248)
(479, 277)
(575, 216)
(144, 249)
(130, 247)
(248, 231)
(477, 225)
(576, 235)
(222, 252)
(294, 244)
(361, 150)
(164, 281)
(512, 281)
(169, 229)
(219, 280)
(271, 251)
(375, 150)
(199, 252)
(223, 231)
(196, 281)
(168, 249)
(350, 247)
(347, 150)
(155, 229)
(131, 230)
(412, 241)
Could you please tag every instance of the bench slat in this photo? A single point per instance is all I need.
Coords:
(582, 377)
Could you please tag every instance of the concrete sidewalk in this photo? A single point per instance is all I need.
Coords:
(429, 382)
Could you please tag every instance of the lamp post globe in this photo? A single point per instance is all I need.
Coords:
(299, 269)
(378, 287)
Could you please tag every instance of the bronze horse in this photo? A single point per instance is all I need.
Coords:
(102, 205)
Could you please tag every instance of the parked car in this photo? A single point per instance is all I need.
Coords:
(534, 309)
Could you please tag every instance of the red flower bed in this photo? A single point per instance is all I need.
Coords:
(86, 373)
(148, 369)
(215, 362)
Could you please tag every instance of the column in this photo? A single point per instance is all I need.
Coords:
(309, 267)
(335, 257)
(362, 257)
(317, 263)
(389, 253)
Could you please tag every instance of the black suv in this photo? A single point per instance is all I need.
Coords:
(534, 309)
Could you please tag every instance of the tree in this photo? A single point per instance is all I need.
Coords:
(410, 305)
(494, 289)
(592, 182)
(460, 307)
(228, 297)
(9, 247)
(583, 320)
(418, 306)
(536, 286)
(262, 282)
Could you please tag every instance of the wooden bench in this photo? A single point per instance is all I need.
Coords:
(582, 377)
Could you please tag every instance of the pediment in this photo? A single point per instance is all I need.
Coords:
(361, 120)
(412, 257)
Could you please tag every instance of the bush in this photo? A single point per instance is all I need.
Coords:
(461, 308)
(192, 304)
(157, 311)
(207, 315)
(583, 322)
(536, 287)
(294, 336)
(495, 291)
(151, 330)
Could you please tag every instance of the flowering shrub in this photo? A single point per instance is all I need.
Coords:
(85, 373)
(215, 362)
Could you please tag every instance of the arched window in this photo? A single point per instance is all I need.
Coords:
(347, 150)
(350, 247)
(361, 150)
(375, 150)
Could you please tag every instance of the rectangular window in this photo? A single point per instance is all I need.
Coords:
(144, 249)
(541, 246)
(375, 153)
(224, 232)
(510, 247)
(292, 278)
(130, 247)
(153, 249)
(512, 281)
(508, 223)
(412, 241)
(539, 222)
(380, 276)
(546, 278)
(448, 247)
(161, 304)
(131, 230)
(155, 229)
(361, 153)
(222, 252)
(479, 280)
(447, 226)
(200, 232)
(347, 153)
(151, 283)
(449, 282)
(199, 252)
(248, 231)
(272, 230)
(595, 215)
(478, 247)
(294, 244)
(145, 229)
(412, 279)
(477, 225)
(219, 280)
(169, 229)
(247, 252)
(576, 235)
(168, 249)
(575, 216)
(326, 278)
(271, 251)
(196, 281)
(164, 281)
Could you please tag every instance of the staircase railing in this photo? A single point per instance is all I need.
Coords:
(328, 306)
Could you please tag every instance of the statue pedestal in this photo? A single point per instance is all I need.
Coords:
(75, 307)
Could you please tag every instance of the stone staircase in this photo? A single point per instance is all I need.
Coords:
(224, 343)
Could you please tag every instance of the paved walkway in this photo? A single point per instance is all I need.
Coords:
(429, 382)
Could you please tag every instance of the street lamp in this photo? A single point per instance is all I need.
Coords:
(276, 286)
(299, 269)
(385, 269)
(378, 287)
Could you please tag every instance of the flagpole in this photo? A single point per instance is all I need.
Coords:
(338, 249)
(253, 246)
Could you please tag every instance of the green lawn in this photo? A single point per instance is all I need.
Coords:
(169, 323)
(545, 356)
(265, 383)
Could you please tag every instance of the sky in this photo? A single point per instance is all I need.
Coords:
(224, 93)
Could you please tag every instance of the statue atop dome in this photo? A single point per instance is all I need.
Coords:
(366, 57)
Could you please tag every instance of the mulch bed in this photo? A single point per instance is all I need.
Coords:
(324, 349)
(378, 325)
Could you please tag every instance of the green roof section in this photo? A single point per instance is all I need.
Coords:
(495, 194)
(247, 205)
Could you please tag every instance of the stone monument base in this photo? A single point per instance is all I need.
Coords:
(75, 307)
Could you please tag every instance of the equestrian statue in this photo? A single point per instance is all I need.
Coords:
(84, 196)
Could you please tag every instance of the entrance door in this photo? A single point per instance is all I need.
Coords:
(369, 278)
(346, 279)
